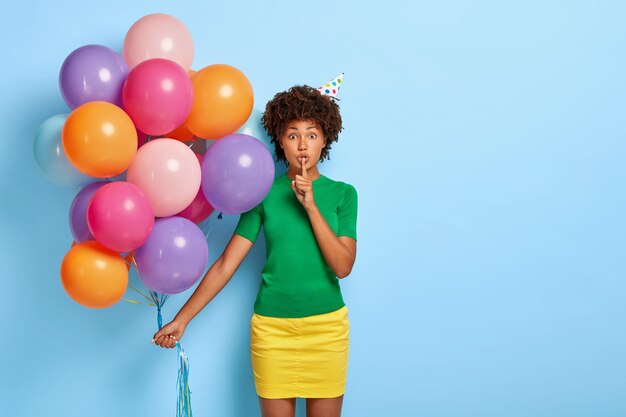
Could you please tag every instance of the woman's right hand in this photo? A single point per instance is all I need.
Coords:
(169, 334)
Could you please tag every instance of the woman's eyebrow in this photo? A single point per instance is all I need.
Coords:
(295, 128)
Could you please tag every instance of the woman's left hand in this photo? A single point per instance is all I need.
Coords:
(302, 186)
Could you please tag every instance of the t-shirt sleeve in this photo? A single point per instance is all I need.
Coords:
(347, 213)
(250, 223)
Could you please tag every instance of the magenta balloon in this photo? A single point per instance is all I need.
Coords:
(92, 73)
(120, 216)
(174, 257)
(78, 212)
(199, 209)
(237, 173)
(157, 96)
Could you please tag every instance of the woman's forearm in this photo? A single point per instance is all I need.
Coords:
(212, 283)
(337, 255)
(216, 278)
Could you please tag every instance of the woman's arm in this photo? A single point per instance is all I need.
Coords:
(339, 252)
(212, 283)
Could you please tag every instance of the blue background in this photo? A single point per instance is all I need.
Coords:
(486, 141)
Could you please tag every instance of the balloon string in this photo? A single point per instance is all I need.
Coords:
(183, 399)
(158, 300)
(133, 260)
(150, 301)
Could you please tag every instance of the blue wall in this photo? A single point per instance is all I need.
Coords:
(486, 141)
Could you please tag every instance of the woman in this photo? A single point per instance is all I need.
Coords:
(299, 338)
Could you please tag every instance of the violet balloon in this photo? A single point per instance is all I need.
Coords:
(174, 257)
(78, 212)
(92, 73)
(120, 216)
(237, 173)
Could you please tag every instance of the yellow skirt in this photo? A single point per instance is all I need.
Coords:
(300, 357)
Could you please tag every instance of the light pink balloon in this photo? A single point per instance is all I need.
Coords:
(158, 36)
(120, 216)
(157, 96)
(199, 209)
(168, 172)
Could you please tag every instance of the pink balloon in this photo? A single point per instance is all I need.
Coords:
(157, 95)
(200, 208)
(120, 216)
(168, 172)
(158, 36)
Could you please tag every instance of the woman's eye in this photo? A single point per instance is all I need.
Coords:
(312, 136)
(292, 136)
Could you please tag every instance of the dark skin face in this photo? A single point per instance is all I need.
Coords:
(302, 142)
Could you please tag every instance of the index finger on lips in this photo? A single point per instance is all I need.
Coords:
(305, 174)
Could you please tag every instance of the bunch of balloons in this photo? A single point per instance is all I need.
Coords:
(127, 143)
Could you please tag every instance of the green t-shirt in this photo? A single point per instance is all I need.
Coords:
(297, 281)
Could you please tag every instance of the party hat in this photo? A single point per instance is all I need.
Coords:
(332, 87)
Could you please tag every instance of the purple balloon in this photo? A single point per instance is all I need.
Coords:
(78, 212)
(93, 73)
(237, 173)
(174, 257)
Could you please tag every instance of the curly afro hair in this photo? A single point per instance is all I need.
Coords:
(302, 102)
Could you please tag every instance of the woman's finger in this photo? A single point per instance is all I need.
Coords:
(162, 341)
(304, 170)
(171, 342)
(303, 182)
(162, 332)
(303, 188)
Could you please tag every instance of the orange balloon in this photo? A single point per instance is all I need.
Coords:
(222, 102)
(127, 259)
(93, 275)
(99, 139)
